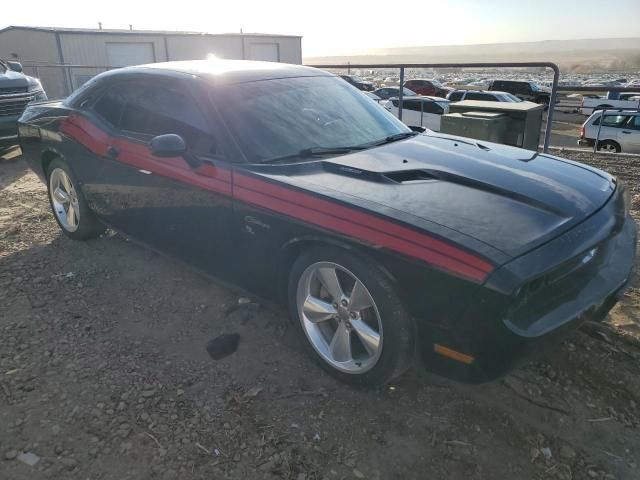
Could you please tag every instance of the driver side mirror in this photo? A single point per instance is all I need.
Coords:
(168, 145)
(14, 66)
(172, 145)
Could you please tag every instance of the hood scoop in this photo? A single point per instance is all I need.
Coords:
(410, 176)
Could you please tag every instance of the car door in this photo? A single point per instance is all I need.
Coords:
(630, 135)
(165, 202)
(611, 128)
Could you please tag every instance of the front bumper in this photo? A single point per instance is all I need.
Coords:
(576, 277)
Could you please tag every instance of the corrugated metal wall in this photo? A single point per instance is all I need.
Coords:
(90, 48)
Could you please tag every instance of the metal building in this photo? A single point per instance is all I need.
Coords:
(65, 58)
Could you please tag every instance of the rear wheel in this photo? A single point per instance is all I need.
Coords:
(352, 322)
(69, 207)
(609, 146)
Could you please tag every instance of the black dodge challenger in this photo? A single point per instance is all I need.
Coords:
(388, 245)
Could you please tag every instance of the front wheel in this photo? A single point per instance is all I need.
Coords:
(69, 207)
(351, 320)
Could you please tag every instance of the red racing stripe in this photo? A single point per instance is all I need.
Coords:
(361, 232)
(363, 219)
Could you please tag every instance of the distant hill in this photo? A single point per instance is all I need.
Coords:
(585, 55)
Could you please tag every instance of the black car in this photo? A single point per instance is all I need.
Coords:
(359, 83)
(529, 91)
(383, 242)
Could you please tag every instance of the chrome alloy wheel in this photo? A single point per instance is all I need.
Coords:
(339, 317)
(608, 147)
(64, 200)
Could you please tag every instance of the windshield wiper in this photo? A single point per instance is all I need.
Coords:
(313, 152)
(395, 138)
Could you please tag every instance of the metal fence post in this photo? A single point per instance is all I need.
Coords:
(552, 106)
(400, 93)
(595, 144)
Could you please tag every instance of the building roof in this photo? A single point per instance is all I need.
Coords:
(135, 32)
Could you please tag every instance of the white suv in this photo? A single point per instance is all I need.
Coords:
(620, 131)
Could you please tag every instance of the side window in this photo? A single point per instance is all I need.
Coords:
(612, 120)
(409, 105)
(480, 96)
(634, 122)
(160, 109)
(110, 105)
(433, 107)
(456, 96)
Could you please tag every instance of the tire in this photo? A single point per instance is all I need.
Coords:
(609, 146)
(64, 196)
(368, 306)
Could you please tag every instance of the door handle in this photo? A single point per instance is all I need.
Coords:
(112, 152)
(625, 131)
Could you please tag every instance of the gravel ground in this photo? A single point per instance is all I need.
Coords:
(104, 375)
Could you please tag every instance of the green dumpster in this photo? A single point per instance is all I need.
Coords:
(524, 120)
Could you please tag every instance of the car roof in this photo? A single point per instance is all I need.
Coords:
(229, 71)
(422, 98)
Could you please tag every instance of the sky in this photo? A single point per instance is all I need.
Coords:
(344, 27)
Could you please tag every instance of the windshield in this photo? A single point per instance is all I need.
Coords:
(509, 97)
(356, 78)
(436, 83)
(276, 118)
(408, 93)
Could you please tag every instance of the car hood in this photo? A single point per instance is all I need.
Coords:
(507, 198)
(11, 79)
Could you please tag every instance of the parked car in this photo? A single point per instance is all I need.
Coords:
(428, 87)
(620, 132)
(359, 83)
(388, 92)
(16, 91)
(372, 96)
(529, 91)
(459, 95)
(588, 105)
(387, 245)
(420, 111)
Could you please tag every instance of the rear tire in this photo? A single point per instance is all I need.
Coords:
(68, 205)
(609, 146)
(349, 317)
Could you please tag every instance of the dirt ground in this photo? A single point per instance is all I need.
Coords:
(104, 375)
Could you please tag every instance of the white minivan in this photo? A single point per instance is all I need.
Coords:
(620, 131)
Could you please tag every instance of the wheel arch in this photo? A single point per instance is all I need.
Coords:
(48, 156)
(294, 247)
(609, 140)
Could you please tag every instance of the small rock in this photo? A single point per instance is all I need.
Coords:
(301, 476)
(28, 458)
(350, 462)
(69, 463)
(10, 454)
(567, 452)
(170, 475)
(592, 473)
(223, 345)
(148, 393)
(546, 452)
(358, 474)
(58, 449)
